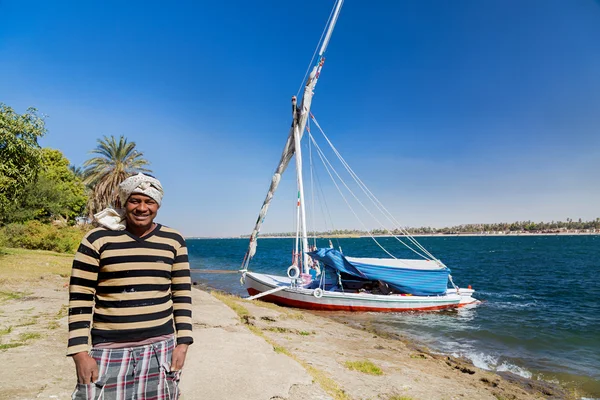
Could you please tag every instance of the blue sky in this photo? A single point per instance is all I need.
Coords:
(451, 111)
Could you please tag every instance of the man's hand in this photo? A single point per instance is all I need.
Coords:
(87, 368)
(178, 357)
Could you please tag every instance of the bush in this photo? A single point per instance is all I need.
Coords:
(2, 240)
(39, 236)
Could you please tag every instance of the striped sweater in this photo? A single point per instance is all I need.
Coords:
(124, 288)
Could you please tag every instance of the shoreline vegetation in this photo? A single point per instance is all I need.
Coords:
(518, 228)
(466, 234)
(62, 238)
(46, 202)
(493, 229)
(342, 361)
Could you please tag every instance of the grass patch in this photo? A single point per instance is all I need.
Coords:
(285, 311)
(400, 398)
(279, 329)
(29, 336)
(270, 306)
(53, 325)
(64, 309)
(5, 295)
(23, 338)
(14, 251)
(29, 322)
(231, 302)
(10, 345)
(366, 367)
(326, 383)
(6, 331)
(257, 331)
(21, 265)
(282, 350)
(295, 315)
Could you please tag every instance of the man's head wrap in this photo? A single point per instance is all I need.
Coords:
(143, 184)
(140, 183)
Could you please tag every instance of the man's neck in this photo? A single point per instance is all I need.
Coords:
(141, 231)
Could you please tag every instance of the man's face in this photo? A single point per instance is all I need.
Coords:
(140, 210)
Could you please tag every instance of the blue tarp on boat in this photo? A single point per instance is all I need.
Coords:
(416, 281)
(336, 260)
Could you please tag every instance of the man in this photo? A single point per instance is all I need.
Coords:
(130, 291)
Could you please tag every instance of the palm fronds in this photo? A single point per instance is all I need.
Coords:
(114, 162)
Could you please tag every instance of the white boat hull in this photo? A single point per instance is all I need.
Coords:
(284, 293)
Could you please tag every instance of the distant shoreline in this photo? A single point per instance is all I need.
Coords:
(511, 234)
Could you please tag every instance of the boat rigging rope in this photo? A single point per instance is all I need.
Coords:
(325, 163)
(377, 203)
(312, 187)
(310, 64)
(323, 199)
(374, 199)
(452, 282)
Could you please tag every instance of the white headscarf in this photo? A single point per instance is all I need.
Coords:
(143, 184)
(115, 219)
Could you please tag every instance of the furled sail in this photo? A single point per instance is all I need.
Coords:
(286, 156)
(300, 117)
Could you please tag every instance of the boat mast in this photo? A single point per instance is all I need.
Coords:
(299, 126)
(300, 117)
(301, 206)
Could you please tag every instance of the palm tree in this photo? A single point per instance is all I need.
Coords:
(77, 171)
(115, 161)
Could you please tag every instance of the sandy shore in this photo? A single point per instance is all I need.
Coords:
(243, 350)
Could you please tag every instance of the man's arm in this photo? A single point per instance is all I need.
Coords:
(181, 289)
(82, 288)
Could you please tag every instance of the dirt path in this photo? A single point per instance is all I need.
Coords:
(33, 326)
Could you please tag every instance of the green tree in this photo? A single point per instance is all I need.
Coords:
(57, 193)
(20, 157)
(115, 161)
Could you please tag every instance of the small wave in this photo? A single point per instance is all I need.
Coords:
(515, 369)
(504, 295)
(511, 306)
(491, 363)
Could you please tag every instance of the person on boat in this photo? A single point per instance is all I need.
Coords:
(313, 272)
(130, 291)
(384, 288)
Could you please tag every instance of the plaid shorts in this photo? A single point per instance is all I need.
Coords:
(133, 373)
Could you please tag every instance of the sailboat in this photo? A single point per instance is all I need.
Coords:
(326, 278)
